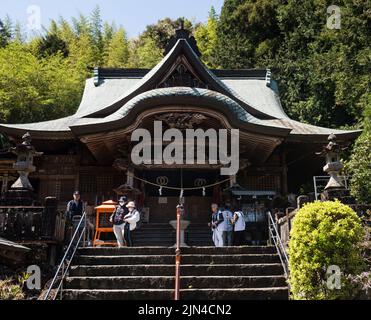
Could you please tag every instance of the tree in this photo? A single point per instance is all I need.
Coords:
(359, 165)
(118, 50)
(96, 27)
(323, 74)
(51, 44)
(5, 33)
(206, 37)
(245, 30)
(34, 89)
(144, 53)
(163, 30)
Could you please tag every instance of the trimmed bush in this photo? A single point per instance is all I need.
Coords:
(324, 234)
(9, 290)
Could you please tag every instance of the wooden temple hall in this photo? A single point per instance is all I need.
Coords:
(90, 150)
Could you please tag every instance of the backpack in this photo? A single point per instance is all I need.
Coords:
(118, 218)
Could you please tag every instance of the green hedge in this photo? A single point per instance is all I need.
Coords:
(324, 234)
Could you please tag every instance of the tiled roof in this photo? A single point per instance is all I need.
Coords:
(246, 94)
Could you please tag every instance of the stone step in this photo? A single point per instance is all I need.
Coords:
(280, 293)
(198, 239)
(190, 282)
(169, 251)
(159, 243)
(186, 270)
(151, 236)
(199, 243)
(169, 259)
(170, 229)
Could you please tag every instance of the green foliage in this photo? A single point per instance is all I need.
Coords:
(206, 37)
(359, 166)
(324, 234)
(43, 78)
(9, 290)
(246, 31)
(117, 54)
(145, 53)
(163, 30)
(34, 89)
(51, 44)
(5, 33)
(323, 74)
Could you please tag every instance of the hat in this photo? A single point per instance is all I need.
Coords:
(76, 193)
(123, 199)
(131, 204)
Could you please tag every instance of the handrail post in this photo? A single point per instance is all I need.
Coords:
(178, 253)
(61, 267)
(269, 229)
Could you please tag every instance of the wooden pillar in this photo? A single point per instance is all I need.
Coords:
(284, 181)
(4, 187)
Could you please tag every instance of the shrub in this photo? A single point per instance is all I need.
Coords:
(324, 234)
(9, 290)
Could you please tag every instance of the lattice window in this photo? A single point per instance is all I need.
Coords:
(88, 183)
(105, 184)
(66, 189)
(62, 189)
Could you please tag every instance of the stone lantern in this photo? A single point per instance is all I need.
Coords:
(24, 165)
(333, 165)
(21, 192)
(335, 188)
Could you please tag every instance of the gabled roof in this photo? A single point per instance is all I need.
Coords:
(113, 97)
(157, 74)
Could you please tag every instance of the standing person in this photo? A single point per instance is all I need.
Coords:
(227, 226)
(118, 220)
(216, 220)
(239, 228)
(131, 220)
(75, 209)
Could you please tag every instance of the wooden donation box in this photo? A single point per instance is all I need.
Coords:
(103, 225)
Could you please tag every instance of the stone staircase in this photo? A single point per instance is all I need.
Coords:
(154, 234)
(147, 273)
(163, 235)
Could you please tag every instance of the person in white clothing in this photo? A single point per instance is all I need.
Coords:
(239, 228)
(216, 220)
(131, 220)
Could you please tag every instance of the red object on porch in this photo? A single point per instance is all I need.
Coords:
(102, 224)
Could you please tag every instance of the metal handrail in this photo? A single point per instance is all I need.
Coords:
(178, 255)
(274, 235)
(64, 271)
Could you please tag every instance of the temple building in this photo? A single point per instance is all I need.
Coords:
(90, 151)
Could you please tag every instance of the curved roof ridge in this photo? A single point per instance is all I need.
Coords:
(233, 106)
(186, 96)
